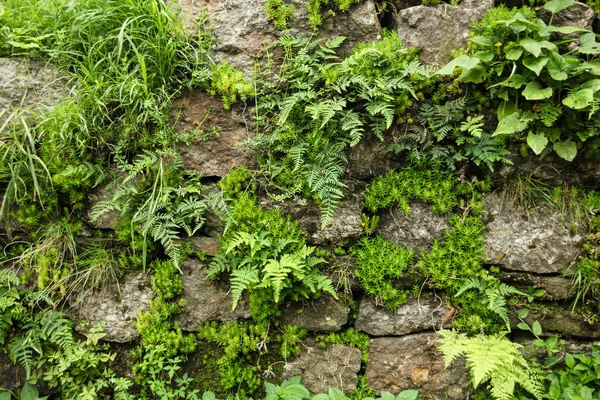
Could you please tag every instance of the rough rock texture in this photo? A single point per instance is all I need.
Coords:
(579, 15)
(415, 230)
(440, 29)
(12, 376)
(341, 272)
(241, 29)
(537, 240)
(562, 321)
(556, 287)
(370, 157)
(217, 133)
(335, 366)
(109, 220)
(324, 314)
(347, 221)
(34, 85)
(119, 314)
(413, 362)
(205, 299)
(209, 245)
(425, 313)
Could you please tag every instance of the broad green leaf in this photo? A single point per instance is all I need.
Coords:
(463, 61)
(535, 46)
(536, 328)
(511, 124)
(523, 313)
(566, 150)
(593, 67)
(579, 99)
(557, 67)
(535, 64)
(592, 84)
(482, 40)
(592, 48)
(587, 38)
(473, 75)
(408, 395)
(554, 391)
(515, 81)
(485, 56)
(387, 396)
(505, 109)
(514, 53)
(555, 6)
(4, 395)
(533, 91)
(523, 326)
(565, 29)
(518, 20)
(569, 360)
(29, 392)
(537, 142)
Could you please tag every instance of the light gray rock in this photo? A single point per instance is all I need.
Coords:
(556, 319)
(31, 85)
(417, 230)
(217, 133)
(440, 29)
(413, 362)
(536, 240)
(335, 366)
(242, 31)
(117, 311)
(205, 299)
(324, 314)
(417, 315)
(206, 244)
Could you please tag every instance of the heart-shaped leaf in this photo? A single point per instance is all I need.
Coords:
(579, 99)
(533, 91)
(537, 142)
(566, 150)
(555, 6)
(536, 64)
(463, 61)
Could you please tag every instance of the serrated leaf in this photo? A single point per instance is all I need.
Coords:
(579, 99)
(514, 53)
(533, 91)
(555, 6)
(566, 150)
(535, 64)
(463, 61)
(537, 142)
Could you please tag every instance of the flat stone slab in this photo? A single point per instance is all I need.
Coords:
(560, 320)
(413, 362)
(118, 312)
(205, 299)
(417, 315)
(336, 366)
(324, 314)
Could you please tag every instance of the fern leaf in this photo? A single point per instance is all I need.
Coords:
(241, 279)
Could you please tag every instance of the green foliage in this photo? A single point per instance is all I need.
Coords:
(350, 337)
(221, 79)
(547, 93)
(315, 107)
(379, 263)
(279, 13)
(290, 337)
(315, 7)
(578, 380)
(494, 359)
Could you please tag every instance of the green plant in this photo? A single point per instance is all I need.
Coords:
(494, 359)
(547, 93)
(379, 262)
(279, 13)
(314, 8)
(578, 380)
(350, 337)
(222, 79)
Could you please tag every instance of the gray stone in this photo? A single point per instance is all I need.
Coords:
(559, 320)
(109, 220)
(205, 299)
(417, 230)
(370, 157)
(537, 240)
(12, 375)
(324, 314)
(413, 362)
(347, 220)
(217, 133)
(31, 85)
(424, 313)
(578, 15)
(118, 312)
(556, 287)
(206, 244)
(335, 366)
(242, 31)
(440, 29)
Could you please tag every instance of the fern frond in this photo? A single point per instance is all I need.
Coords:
(241, 279)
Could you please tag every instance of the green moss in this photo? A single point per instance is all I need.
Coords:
(350, 337)
(279, 13)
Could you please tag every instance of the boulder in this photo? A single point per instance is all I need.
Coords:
(117, 307)
(324, 314)
(556, 287)
(413, 362)
(417, 230)
(242, 32)
(347, 220)
(31, 85)
(537, 240)
(559, 320)
(205, 299)
(335, 366)
(440, 29)
(216, 134)
(417, 315)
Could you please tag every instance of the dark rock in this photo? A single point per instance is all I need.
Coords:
(30, 85)
(109, 220)
(413, 362)
(560, 320)
(578, 15)
(417, 230)
(217, 133)
(206, 244)
(370, 157)
(596, 26)
(12, 376)
(335, 366)
(556, 287)
(205, 299)
(424, 313)
(537, 240)
(347, 220)
(117, 307)
(440, 29)
(324, 314)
